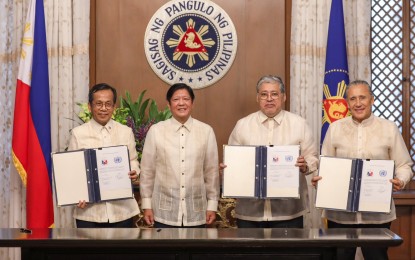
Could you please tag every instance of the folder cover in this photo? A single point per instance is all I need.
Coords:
(355, 184)
(261, 171)
(93, 175)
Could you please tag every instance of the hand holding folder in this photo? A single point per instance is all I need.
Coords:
(92, 175)
(261, 171)
(355, 184)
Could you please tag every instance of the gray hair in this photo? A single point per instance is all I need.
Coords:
(272, 80)
(360, 82)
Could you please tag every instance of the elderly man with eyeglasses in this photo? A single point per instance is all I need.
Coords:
(272, 125)
(102, 131)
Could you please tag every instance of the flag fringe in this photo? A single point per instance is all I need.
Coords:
(20, 169)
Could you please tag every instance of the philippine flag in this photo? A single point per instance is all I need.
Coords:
(31, 142)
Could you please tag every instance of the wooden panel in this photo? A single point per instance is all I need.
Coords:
(404, 225)
(120, 58)
(400, 226)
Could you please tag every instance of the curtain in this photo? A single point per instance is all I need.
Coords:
(308, 52)
(12, 18)
(67, 32)
(67, 25)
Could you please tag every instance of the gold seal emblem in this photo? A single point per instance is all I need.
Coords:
(190, 43)
(334, 107)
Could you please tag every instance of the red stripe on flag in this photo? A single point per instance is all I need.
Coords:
(20, 126)
(28, 153)
(39, 203)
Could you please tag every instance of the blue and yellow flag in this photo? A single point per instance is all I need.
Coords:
(336, 75)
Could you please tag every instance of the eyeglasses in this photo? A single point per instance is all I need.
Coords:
(100, 105)
(266, 95)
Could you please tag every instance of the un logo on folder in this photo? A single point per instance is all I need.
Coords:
(383, 173)
(288, 158)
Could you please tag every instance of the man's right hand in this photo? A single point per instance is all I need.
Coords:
(315, 179)
(222, 166)
(149, 217)
(81, 204)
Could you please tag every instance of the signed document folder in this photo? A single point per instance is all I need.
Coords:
(93, 175)
(355, 184)
(261, 171)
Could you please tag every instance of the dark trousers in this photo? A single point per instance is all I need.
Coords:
(161, 225)
(369, 253)
(291, 223)
(128, 223)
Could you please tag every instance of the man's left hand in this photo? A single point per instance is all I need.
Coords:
(210, 217)
(397, 184)
(133, 176)
(302, 164)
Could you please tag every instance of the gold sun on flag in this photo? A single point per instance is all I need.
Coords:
(27, 41)
(190, 43)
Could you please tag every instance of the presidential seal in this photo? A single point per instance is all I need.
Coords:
(190, 41)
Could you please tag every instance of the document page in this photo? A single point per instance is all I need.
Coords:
(239, 175)
(376, 189)
(333, 188)
(70, 177)
(113, 167)
(282, 174)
